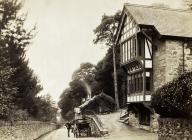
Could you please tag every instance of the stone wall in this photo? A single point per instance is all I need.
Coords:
(134, 121)
(168, 61)
(25, 130)
(159, 64)
(94, 129)
(154, 125)
(174, 129)
(174, 58)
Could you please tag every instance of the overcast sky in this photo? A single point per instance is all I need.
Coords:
(65, 34)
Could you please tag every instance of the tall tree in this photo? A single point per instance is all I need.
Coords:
(105, 33)
(15, 38)
(67, 104)
(86, 73)
(80, 86)
(45, 108)
(7, 90)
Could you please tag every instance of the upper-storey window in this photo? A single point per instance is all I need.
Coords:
(128, 40)
(128, 30)
(136, 56)
(133, 45)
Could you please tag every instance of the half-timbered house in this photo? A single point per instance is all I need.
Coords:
(155, 46)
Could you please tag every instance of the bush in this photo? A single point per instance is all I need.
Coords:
(174, 99)
(20, 115)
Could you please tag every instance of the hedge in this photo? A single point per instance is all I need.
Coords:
(174, 99)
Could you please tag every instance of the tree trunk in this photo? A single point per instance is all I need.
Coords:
(115, 79)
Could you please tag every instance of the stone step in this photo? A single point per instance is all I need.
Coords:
(125, 120)
(124, 116)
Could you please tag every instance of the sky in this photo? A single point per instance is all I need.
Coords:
(65, 36)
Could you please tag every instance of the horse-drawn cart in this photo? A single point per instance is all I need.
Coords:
(81, 128)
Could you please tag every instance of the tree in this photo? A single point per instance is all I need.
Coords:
(104, 76)
(7, 90)
(105, 32)
(19, 84)
(80, 86)
(46, 110)
(66, 104)
(16, 38)
(78, 91)
(86, 73)
(189, 3)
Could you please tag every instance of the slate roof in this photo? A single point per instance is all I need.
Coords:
(167, 21)
(101, 96)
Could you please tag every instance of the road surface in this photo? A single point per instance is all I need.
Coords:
(117, 131)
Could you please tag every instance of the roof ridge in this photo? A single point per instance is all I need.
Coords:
(156, 7)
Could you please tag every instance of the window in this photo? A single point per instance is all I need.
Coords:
(122, 53)
(125, 51)
(136, 45)
(128, 39)
(135, 83)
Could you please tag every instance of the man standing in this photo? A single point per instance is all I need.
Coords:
(68, 125)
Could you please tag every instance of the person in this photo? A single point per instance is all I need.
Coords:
(68, 125)
(75, 130)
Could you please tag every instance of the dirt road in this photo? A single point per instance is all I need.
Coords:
(117, 131)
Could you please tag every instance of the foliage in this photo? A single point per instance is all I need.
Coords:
(86, 73)
(45, 109)
(188, 3)
(80, 86)
(98, 78)
(19, 114)
(106, 30)
(14, 40)
(66, 104)
(7, 90)
(105, 33)
(78, 89)
(174, 99)
(104, 75)
(19, 85)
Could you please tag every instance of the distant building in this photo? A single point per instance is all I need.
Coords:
(101, 103)
(155, 46)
